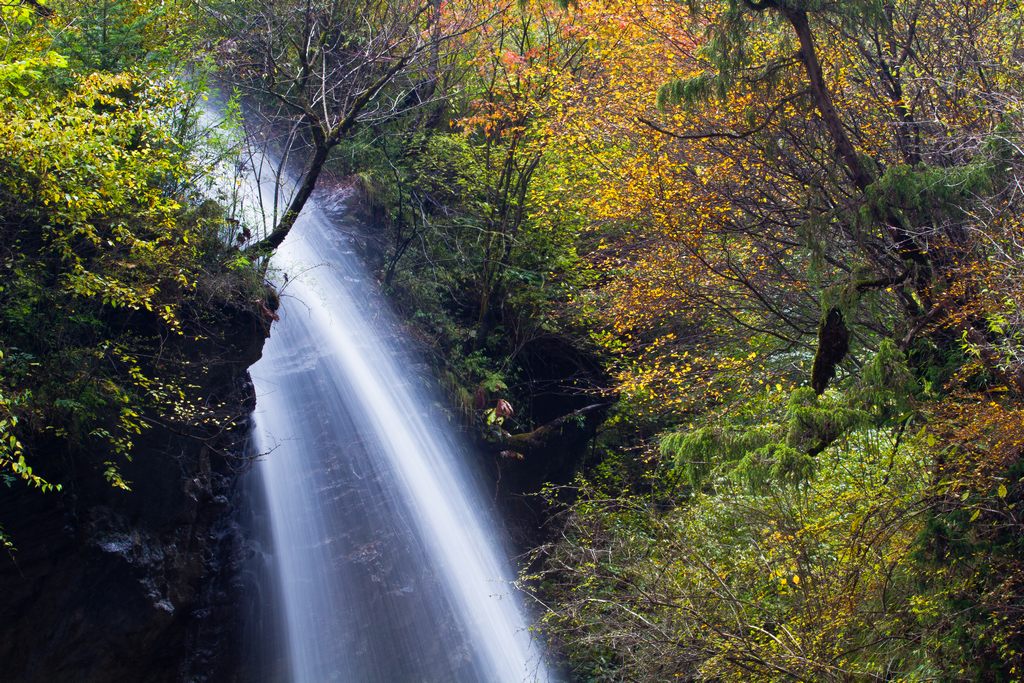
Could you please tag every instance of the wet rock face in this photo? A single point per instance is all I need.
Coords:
(140, 586)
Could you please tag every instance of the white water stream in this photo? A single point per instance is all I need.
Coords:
(386, 562)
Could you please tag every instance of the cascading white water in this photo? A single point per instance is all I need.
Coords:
(386, 560)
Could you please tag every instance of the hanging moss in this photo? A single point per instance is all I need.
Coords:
(887, 387)
(697, 452)
(773, 464)
(688, 91)
(786, 453)
(815, 423)
(833, 344)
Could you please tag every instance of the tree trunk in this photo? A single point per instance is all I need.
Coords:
(861, 177)
(903, 240)
(324, 140)
(291, 214)
(541, 437)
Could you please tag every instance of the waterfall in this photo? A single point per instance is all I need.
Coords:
(386, 561)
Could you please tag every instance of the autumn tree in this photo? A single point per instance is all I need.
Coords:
(906, 197)
(784, 189)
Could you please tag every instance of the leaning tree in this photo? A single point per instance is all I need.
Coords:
(321, 69)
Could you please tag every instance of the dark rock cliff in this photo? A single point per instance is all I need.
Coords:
(108, 585)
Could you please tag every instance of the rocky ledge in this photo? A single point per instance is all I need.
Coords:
(140, 586)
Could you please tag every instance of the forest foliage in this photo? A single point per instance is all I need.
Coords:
(113, 257)
(786, 233)
(790, 234)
